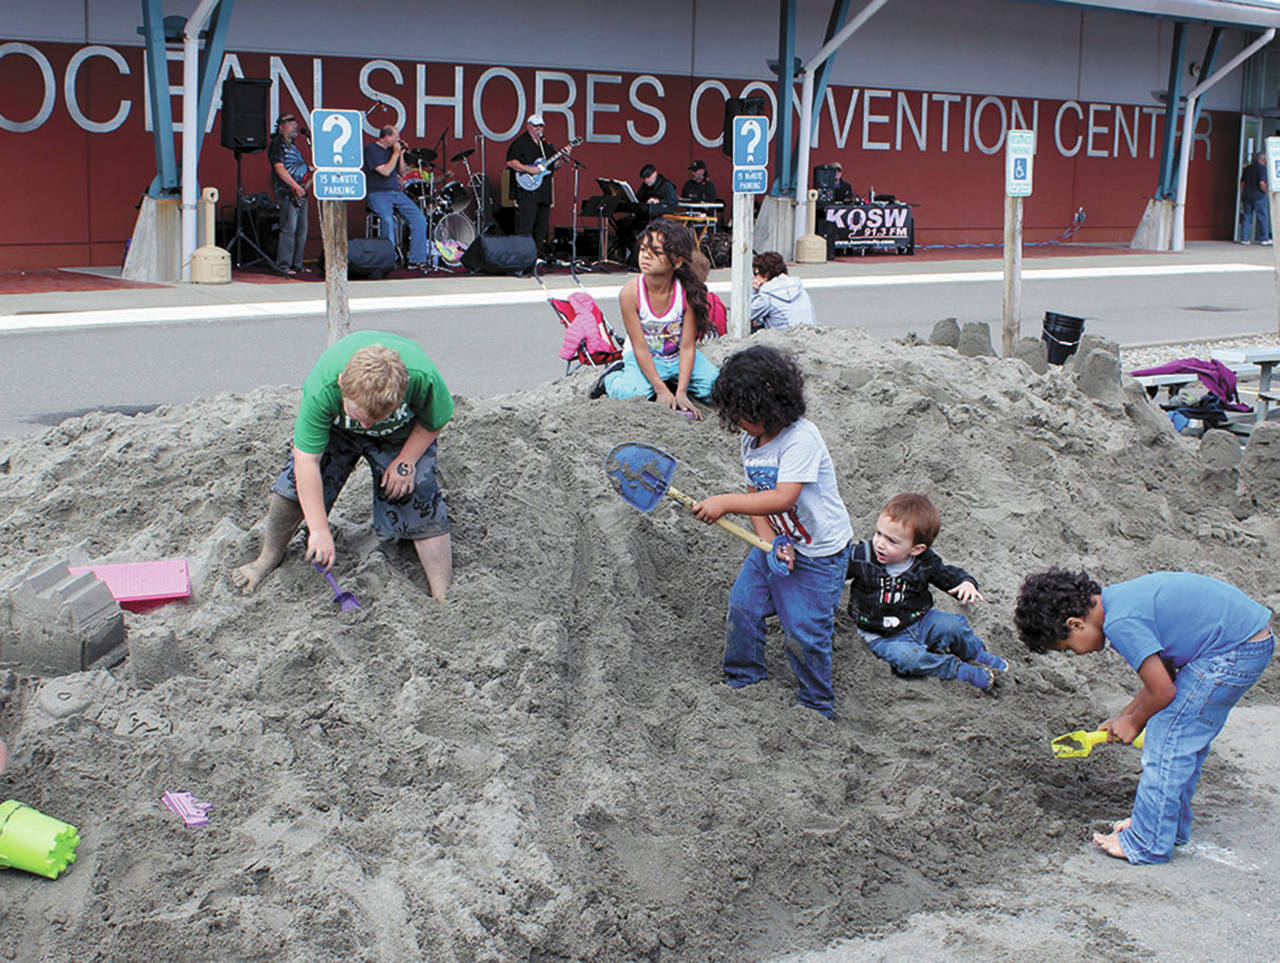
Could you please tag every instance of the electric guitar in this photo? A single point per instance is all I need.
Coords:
(531, 182)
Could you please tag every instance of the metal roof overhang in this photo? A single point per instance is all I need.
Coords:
(1258, 14)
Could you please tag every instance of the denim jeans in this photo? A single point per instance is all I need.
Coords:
(1177, 741)
(293, 231)
(383, 203)
(1251, 210)
(805, 602)
(935, 645)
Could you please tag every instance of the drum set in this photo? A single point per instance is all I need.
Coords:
(455, 209)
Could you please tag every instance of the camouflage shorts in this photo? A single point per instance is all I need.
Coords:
(421, 514)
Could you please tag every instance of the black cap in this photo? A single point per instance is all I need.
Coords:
(697, 166)
(284, 119)
(647, 170)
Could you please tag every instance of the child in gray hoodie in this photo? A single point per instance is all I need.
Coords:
(779, 300)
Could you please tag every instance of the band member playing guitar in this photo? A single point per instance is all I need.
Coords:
(289, 174)
(532, 158)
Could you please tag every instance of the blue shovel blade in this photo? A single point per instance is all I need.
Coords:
(639, 473)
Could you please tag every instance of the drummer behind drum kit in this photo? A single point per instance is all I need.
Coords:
(449, 204)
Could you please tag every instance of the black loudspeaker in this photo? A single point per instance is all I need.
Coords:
(500, 255)
(732, 108)
(824, 182)
(370, 257)
(244, 114)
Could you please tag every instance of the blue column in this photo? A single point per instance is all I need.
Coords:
(1165, 191)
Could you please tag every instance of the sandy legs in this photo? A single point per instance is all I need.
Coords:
(283, 518)
(1110, 843)
(436, 556)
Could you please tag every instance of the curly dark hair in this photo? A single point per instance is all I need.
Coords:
(761, 385)
(677, 242)
(1046, 601)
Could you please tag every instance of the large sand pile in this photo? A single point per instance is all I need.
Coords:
(548, 767)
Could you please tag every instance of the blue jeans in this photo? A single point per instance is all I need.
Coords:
(805, 602)
(1177, 741)
(383, 203)
(1251, 210)
(630, 382)
(935, 645)
(293, 231)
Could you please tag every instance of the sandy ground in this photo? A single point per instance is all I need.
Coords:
(548, 767)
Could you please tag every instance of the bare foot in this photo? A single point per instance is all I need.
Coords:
(248, 577)
(1122, 824)
(1110, 843)
(4, 756)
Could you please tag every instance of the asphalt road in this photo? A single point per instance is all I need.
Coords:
(53, 373)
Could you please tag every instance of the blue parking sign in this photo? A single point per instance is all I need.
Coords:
(750, 141)
(336, 139)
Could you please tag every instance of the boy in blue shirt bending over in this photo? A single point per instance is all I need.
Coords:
(1218, 641)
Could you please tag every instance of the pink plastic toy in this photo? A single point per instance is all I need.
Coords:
(142, 585)
(192, 810)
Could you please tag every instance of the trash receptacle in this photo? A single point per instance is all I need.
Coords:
(1061, 335)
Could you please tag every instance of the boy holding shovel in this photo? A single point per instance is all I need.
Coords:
(1218, 641)
(792, 492)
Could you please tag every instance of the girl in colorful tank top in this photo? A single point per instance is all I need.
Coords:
(665, 313)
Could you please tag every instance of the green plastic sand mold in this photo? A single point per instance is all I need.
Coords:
(32, 841)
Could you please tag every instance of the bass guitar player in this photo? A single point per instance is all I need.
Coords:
(531, 158)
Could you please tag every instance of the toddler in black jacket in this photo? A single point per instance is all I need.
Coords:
(889, 598)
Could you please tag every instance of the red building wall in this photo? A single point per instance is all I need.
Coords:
(73, 191)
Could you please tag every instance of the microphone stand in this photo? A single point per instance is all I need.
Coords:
(573, 236)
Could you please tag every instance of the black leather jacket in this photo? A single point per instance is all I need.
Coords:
(886, 604)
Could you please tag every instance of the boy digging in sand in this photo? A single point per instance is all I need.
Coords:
(378, 397)
(889, 599)
(1217, 639)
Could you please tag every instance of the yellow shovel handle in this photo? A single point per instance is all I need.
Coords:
(730, 527)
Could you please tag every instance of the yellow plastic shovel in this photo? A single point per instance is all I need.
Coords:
(1078, 744)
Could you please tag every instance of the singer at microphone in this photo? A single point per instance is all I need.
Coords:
(384, 166)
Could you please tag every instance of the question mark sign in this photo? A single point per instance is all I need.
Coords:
(755, 132)
(339, 142)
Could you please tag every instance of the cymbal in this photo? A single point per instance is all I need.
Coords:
(420, 155)
(461, 154)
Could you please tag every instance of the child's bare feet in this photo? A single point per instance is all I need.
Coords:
(1110, 843)
(4, 756)
(248, 577)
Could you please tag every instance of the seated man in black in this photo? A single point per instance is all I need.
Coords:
(699, 187)
(656, 197)
(656, 193)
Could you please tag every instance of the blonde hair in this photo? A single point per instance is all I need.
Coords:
(375, 379)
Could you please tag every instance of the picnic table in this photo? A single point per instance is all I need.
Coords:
(1265, 357)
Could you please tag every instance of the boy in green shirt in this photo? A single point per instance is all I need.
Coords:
(375, 396)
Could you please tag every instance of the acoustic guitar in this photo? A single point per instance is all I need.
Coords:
(531, 182)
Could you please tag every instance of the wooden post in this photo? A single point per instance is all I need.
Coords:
(744, 218)
(1012, 302)
(333, 231)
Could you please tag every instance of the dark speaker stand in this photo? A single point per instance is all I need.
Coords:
(240, 237)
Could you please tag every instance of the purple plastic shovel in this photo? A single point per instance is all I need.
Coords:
(346, 600)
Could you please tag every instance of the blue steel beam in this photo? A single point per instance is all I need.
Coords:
(1207, 63)
(215, 44)
(1177, 57)
(152, 30)
(839, 13)
(785, 156)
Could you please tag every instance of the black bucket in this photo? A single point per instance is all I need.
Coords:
(1061, 336)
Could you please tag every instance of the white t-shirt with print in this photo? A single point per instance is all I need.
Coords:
(818, 523)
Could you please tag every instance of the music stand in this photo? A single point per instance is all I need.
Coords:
(240, 237)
